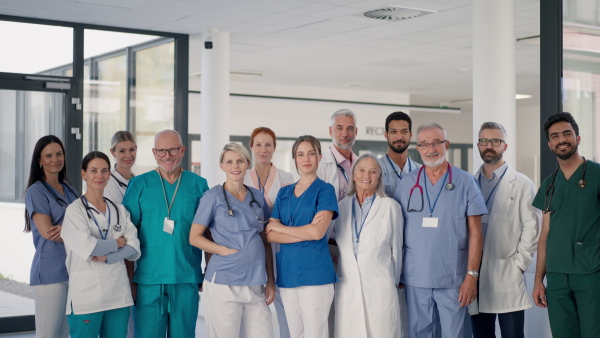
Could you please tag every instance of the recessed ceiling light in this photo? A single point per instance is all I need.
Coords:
(395, 13)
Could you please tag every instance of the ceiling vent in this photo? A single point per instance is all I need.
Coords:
(396, 13)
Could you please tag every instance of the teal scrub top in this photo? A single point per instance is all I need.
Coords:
(573, 244)
(165, 258)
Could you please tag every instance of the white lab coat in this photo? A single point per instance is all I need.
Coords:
(328, 170)
(366, 299)
(113, 190)
(96, 286)
(277, 180)
(510, 241)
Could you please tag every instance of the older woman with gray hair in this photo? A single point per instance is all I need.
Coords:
(238, 283)
(369, 234)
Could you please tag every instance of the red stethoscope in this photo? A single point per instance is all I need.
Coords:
(449, 186)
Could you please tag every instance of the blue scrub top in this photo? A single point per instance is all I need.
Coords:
(390, 177)
(308, 262)
(240, 232)
(438, 257)
(48, 265)
(166, 258)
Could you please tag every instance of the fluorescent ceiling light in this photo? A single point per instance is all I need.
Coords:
(523, 96)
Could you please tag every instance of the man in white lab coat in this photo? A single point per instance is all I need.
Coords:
(510, 231)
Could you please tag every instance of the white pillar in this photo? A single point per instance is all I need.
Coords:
(215, 105)
(494, 72)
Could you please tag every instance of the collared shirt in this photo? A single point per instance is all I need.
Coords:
(360, 215)
(487, 187)
(346, 175)
(390, 178)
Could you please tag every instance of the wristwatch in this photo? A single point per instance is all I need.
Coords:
(473, 273)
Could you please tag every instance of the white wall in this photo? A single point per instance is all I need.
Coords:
(16, 247)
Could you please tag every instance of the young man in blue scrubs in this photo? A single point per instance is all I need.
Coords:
(569, 245)
(162, 204)
(442, 207)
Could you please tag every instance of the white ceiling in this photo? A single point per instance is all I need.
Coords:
(321, 43)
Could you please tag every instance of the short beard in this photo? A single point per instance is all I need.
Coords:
(176, 167)
(568, 155)
(345, 147)
(398, 150)
(495, 158)
(436, 163)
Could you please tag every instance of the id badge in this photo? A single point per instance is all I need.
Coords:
(168, 225)
(430, 222)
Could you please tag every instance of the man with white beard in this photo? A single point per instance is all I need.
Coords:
(442, 207)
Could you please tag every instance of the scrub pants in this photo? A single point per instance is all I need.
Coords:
(512, 324)
(109, 324)
(230, 309)
(423, 319)
(403, 313)
(574, 304)
(307, 309)
(284, 330)
(162, 307)
(50, 309)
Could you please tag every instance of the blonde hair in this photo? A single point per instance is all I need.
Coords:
(121, 136)
(238, 149)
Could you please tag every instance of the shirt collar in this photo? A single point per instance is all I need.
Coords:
(339, 158)
(496, 172)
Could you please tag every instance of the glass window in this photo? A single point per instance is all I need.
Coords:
(34, 48)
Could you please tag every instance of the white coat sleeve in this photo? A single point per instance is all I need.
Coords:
(76, 232)
(130, 234)
(531, 220)
(397, 223)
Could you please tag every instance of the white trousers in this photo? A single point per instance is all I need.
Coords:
(284, 331)
(307, 310)
(50, 310)
(229, 309)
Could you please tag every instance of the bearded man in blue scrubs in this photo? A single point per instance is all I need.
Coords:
(442, 207)
(162, 204)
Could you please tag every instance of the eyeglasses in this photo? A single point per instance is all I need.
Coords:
(433, 144)
(163, 152)
(495, 142)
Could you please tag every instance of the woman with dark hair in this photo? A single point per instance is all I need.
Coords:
(299, 222)
(48, 195)
(98, 237)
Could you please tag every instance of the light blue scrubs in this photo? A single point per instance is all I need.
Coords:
(240, 232)
(435, 258)
(308, 262)
(48, 266)
(392, 174)
(168, 271)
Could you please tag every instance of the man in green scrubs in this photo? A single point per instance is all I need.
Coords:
(569, 245)
(162, 204)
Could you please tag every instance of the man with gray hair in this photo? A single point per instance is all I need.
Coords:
(442, 208)
(510, 231)
(336, 164)
(168, 272)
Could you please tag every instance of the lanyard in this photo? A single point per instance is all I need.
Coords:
(169, 206)
(339, 166)
(94, 218)
(494, 188)
(357, 232)
(439, 193)
(394, 169)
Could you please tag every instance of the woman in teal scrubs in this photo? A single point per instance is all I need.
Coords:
(300, 218)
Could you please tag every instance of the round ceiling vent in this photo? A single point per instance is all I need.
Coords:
(395, 13)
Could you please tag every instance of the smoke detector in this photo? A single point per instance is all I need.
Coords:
(395, 13)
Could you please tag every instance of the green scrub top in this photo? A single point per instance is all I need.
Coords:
(165, 258)
(573, 244)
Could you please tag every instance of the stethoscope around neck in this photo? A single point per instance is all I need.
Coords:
(252, 202)
(449, 186)
(550, 190)
(88, 210)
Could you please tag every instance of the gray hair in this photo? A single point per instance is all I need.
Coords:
(121, 136)
(238, 149)
(493, 125)
(431, 125)
(379, 189)
(344, 112)
(165, 132)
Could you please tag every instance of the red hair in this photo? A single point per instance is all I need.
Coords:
(265, 130)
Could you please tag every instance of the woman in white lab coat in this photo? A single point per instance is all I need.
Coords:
(98, 236)
(369, 234)
(124, 150)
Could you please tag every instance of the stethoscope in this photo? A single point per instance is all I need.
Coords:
(548, 201)
(449, 186)
(59, 200)
(88, 210)
(392, 165)
(252, 202)
(121, 184)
